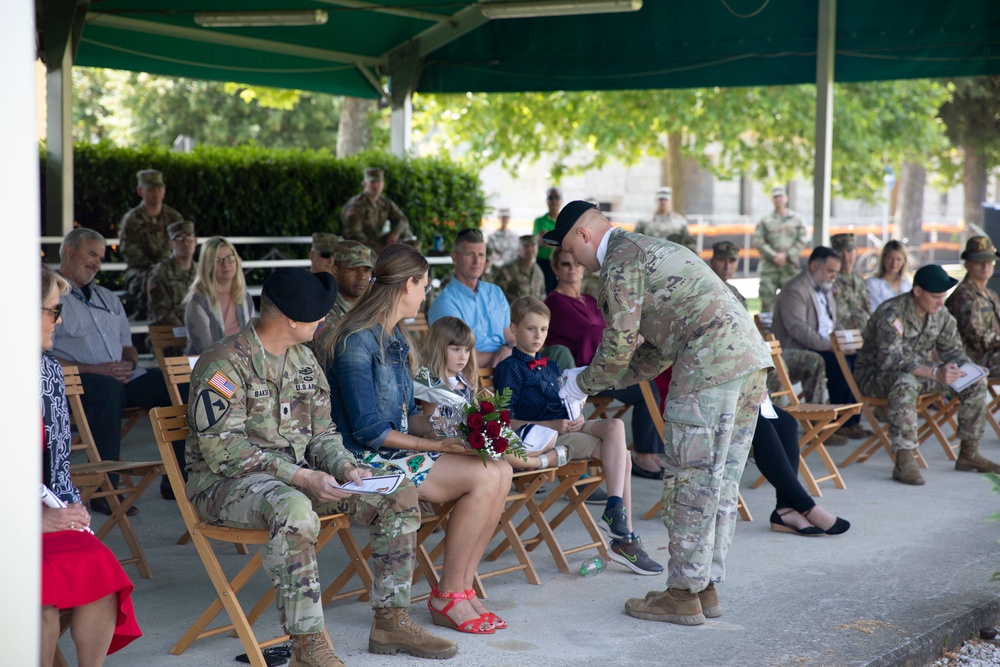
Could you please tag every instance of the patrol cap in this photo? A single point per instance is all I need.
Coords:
(932, 278)
(503, 213)
(779, 190)
(175, 229)
(725, 250)
(843, 242)
(351, 254)
(149, 178)
(529, 239)
(325, 242)
(686, 240)
(664, 193)
(568, 216)
(374, 174)
(980, 249)
(300, 295)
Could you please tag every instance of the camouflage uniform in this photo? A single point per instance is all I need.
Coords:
(166, 287)
(330, 322)
(674, 300)
(774, 234)
(978, 316)
(501, 248)
(363, 219)
(250, 431)
(897, 341)
(516, 280)
(144, 242)
(662, 226)
(853, 300)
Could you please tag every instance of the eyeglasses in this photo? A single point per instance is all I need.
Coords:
(182, 239)
(427, 288)
(554, 198)
(225, 261)
(55, 312)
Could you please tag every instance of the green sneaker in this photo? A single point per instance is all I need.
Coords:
(631, 554)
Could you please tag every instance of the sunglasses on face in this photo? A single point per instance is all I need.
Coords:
(326, 255)
(55, 312)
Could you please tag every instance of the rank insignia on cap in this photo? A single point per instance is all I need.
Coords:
(223, 385)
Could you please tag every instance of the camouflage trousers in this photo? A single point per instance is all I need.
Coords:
(805, 366)
(289, 558)
(902, 390)
(708, 436)
(773, 278)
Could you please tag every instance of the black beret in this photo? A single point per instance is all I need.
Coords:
(300, 295)
(932, 278)
(567, 218)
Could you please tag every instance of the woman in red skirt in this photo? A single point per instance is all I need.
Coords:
(79, 574)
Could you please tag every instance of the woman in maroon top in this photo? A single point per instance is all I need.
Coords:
(578, 324)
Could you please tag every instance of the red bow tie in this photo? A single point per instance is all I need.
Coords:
(538, 363)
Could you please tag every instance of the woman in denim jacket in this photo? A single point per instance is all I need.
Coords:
(371, 390)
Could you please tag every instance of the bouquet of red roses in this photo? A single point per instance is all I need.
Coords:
(486, 426)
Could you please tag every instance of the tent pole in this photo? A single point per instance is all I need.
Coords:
(825, 54)
(59, 146)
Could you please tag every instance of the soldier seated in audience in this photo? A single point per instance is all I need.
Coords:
(903, 341)
(264, 453)
(522, 277)
(355, 262)
(321, 255)
(850, 291)
(805, 316)
(95, 336)
(976, 307)
(170, 280)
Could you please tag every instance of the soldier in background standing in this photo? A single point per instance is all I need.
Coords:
(780, 238)
(502, 245)
(142, 234)
(904, 339)
(850, 291)
(694, 325)
(263, 452)
(522, 277)
(665, 222)
(170, 279)
(366, 213)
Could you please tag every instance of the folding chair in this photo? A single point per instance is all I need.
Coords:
(850, 341)
(661, 427)
(993, 384)
(166, 339)
(177, 372)
(818, 421)
(417, 326)
(91, 478)
(169, 425)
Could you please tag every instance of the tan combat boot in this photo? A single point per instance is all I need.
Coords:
(710, 602)
(313, 651)
(969, 459)
(672, 606)
(906, 470)
(393, 630)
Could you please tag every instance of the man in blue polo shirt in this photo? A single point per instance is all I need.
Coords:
(479, 304)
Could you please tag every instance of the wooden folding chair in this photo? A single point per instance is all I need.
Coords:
(818, 421)
(417, 326)
(176, 372)
(993, 384)
(169, 425)
(91, 478)
(661, 427)
(166, 340)
(850, 341)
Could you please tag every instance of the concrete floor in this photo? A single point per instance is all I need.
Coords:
(914, 569)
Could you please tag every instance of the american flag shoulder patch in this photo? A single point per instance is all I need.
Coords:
(222, 384)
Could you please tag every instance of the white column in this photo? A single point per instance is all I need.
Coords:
(59, 145)
(401, 127)
(825, 54)
(20, 520)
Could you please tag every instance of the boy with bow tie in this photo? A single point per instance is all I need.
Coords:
(534, 382)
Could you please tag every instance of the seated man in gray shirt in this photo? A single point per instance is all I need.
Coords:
(95, 337)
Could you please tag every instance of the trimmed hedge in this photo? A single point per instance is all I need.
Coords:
(252, 191)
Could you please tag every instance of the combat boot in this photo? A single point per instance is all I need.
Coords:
(393, 630)
(313, 651)
(969, 459)
(906, 470)
(709, 599)
(672, 606)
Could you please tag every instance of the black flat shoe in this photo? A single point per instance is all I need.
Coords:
(779, 526)
(101, 506)
(839, 526)
(648, 474)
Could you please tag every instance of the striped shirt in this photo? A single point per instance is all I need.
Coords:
(94, 330)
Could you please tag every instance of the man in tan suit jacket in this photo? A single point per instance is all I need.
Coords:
(805, 314)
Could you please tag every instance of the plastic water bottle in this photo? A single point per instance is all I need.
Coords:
(592, 566)
(438, 243)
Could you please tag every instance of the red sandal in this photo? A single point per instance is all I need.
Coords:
(497, 622)
(473, 626)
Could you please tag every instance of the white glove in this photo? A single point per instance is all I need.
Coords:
(570, 391)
